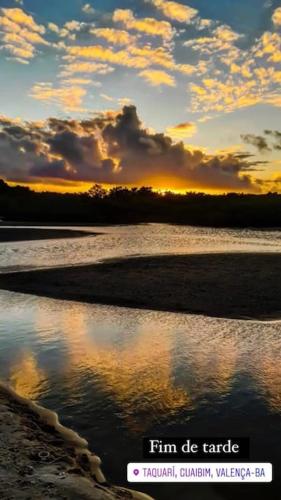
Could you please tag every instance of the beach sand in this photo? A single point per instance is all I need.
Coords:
(27, 234)
(230, 285)
(41, 459)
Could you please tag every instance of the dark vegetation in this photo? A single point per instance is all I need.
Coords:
(122, 205)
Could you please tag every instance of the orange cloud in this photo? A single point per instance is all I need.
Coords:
(222, 39)
(157, 56)
(17, 46)
(276, 17)
(100, 53)
(182, 130)
(147, 25)
(270, 47)
(247, 78)
(86, 67)
(53, 27)
(175, 11)
(157, 77)
(69, 98)
(76, 81)
(215, 95)
(114, 36)
(132, 57)
(20, 33)
(18, 16)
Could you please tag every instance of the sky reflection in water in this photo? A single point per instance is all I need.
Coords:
(116, 374)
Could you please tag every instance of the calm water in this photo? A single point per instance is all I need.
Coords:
(117, 374)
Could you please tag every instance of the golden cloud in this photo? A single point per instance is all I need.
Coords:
(175, 11)
(247, 78)
(20, 33)
(19, 17)
(72, 25)
(154, 56)
(269, 45)
(76, 81)
(147, 25)
(156, 78)
(54, 27)
(114, 36)
(68, 98)
(215, 95)
(222, 39)
(101, 53)
(132, 57)
(276, 17)
(86, 67)
(21, 53)
(274, 99)
(182, 130)
(243, 69)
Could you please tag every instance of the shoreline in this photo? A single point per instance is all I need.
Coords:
(40, 458)
(27, 224)
(13, 234)
(226, 285)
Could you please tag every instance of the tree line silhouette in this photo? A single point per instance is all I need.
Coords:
(121, 205)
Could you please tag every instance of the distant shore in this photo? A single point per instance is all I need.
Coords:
(28, 234)
(39, 458)
(230, 285)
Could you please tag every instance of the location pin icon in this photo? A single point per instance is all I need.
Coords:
(136, 472)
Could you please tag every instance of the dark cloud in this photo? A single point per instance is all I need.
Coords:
(262, 143)
(276, 136)
(257, 141)
(114, 148)
(147, 156)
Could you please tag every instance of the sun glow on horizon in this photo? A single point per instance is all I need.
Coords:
(72, 188)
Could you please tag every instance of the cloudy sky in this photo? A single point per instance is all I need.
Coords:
(177, 95)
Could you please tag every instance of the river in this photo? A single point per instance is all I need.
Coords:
(116, 374)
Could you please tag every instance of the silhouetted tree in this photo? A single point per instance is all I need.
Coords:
(97, 191)
(140, 204)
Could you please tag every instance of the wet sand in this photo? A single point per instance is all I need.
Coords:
(28, 234)
(233, 285)
(41, 459)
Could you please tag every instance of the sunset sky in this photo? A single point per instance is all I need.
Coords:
(176, 95)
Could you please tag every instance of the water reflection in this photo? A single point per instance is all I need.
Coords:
(115, 374)
(138, 375)
(26, 377)
(268, 374)
(152, 364)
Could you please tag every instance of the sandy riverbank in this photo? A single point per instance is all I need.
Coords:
(41, 459)
(27, 234)
(237, 285)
